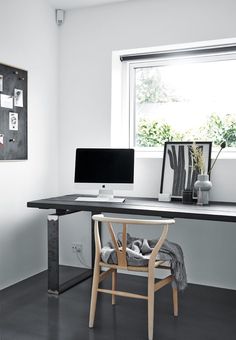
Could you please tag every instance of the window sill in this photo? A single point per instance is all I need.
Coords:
(225, 154)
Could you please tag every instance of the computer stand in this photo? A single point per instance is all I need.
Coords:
(109, 194)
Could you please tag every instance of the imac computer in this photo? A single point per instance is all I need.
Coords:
(104, 169)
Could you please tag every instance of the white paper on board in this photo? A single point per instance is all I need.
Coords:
(1, 82)
(6, 101)
(18, 98)
(1, 139)
(13, 121)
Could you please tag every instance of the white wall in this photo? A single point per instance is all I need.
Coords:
(87, 40)
(29, 40)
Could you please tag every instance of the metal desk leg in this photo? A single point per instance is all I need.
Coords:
(53, 254)
(61, 278)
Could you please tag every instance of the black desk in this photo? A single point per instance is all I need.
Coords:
(65, 205)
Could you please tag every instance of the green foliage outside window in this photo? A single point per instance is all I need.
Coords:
(221, 129)
(151, 133)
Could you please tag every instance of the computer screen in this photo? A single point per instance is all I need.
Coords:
(93, 165)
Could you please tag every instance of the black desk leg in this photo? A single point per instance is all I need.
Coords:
(53, 254)
(61, 278)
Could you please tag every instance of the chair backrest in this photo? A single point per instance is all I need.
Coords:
(121, 249)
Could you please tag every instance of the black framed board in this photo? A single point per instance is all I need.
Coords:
(13, 113)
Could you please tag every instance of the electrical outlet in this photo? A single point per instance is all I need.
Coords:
(77, 247)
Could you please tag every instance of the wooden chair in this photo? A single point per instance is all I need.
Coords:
(122, 264)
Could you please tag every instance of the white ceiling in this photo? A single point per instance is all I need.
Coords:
(68, 4)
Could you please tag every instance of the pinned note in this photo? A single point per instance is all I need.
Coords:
(1, 82)
(6, 101)
(18, 98)
(1, 139)
(13, 121)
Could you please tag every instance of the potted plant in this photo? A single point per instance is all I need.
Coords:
(222, 146)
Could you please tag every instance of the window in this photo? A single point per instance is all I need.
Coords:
(181, 95)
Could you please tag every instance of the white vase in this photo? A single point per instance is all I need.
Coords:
(203, 186)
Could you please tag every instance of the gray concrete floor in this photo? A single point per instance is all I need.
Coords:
(27, 312)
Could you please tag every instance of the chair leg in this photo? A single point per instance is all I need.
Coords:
(151, 292)
(94, 294)
(175, 300)
(114, 283)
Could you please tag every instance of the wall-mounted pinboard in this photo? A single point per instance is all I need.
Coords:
(13, 113)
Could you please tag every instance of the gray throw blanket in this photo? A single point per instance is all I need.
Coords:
(138, 253)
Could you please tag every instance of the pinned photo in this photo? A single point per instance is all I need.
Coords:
(6, 101)
(1, 139)
(13, 121)
(18, 98)
(1, 83)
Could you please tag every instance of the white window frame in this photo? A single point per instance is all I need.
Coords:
(125, 128)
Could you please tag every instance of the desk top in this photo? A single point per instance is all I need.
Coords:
(141, 206)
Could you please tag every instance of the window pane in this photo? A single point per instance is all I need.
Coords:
(185, 101)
